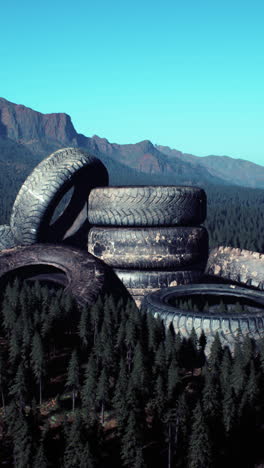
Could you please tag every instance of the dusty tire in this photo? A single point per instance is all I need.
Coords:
(7, 240)
(147, 206)
(230, 326)
(142, 281)
(149, 248)
(243, 266)
(45, 187)
(84, 274)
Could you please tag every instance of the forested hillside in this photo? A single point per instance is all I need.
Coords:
(109, 386)
(235, 215)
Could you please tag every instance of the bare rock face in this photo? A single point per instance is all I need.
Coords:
(23, 124)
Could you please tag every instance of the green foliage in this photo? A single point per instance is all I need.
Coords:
(199, 454)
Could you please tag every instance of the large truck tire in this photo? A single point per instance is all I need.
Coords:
(147, 206)
(7, 240)
(144, 280)
(45, 187)
(231, 326)
(81, 273)
(139, 283)
(239, 265)
(149, 248)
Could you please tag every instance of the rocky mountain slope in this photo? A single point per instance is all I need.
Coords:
(27, 136)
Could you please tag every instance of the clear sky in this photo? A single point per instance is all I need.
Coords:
(187, 74)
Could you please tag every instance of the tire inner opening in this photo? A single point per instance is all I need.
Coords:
(45, 274)
(218, 304)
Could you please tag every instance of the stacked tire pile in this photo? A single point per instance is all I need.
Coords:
(149, 235)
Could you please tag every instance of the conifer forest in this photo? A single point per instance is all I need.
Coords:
(108, 386)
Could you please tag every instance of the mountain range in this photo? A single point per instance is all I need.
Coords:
(27, 136)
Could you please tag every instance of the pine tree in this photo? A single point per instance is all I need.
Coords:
(225, 371)
(77, 452)
(130, 341)
(37, 361)
(106, 346)
(14, 346)
(73, 376)
(82, 327)
(251, 389)
(184, 428)
(248, 350)
(153, 333)
(199, 454)
(194, 338)
(22, 441)
(119, 398)
(174, 380)
(202, 341)
(26, 338)
(120, 337)
(238, 371)
(229, 409)
(160, 364)
(131, 443)
(103, 392)
(96, 314)
(216, 353)
(159, 401)
(211, 397)
(19, 389)
(170, 344)
(89, 389)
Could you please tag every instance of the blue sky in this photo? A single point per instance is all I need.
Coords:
(186, 74)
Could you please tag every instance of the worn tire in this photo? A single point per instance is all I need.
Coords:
(84, 274)
(147, 206)
(230, 326)
(7, 240)
(149, 248)
(243, 266)
(141, 281)
(45, 187)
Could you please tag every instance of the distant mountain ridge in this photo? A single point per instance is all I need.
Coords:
(27, 136)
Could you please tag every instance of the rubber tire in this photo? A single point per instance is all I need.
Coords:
(139, 283)
(142, 281)
(239, 265)
(7, 240)
(229, 326)
(45, 187)
(149, 248)
(85, 274)
(147, 206)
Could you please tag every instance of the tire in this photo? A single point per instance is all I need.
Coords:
(143, 281)
(84, 273)
(243, 266)
(149, 248)
(139, 283)
(44, 188)
(147, 206)
(7, 240)
(231, 327)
